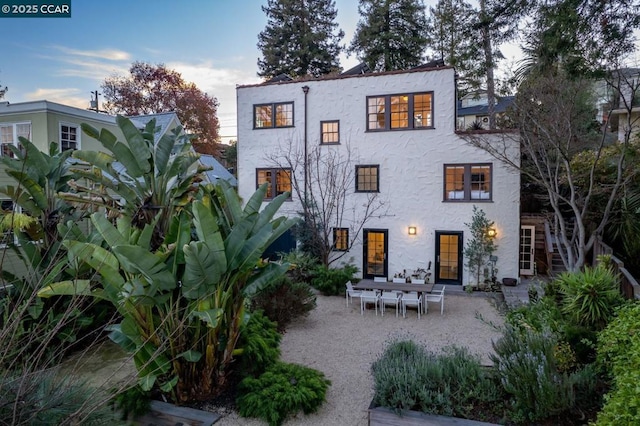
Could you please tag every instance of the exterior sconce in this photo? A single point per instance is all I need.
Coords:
(413, 230)
(491, 233)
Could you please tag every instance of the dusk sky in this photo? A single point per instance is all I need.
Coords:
(210, 42)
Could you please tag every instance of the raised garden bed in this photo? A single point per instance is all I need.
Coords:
(381, 416)
(165, 414)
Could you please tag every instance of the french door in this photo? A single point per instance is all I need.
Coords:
(376, 246)
(527, 249)
(448, 257)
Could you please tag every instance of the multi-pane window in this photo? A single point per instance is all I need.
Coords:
(403, 111)
(278, 180)
(367, 178)
(341, 239)
(330, 132)
(9, 134)
(467, 182)
(273, 115)
(69, 137)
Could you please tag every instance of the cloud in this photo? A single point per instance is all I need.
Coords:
(107, 54)
(67, 96)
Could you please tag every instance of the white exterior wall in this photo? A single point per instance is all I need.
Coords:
(411, 162)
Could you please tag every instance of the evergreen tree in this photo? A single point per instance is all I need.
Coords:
(390, 34)
(450, 37)
(301, 38)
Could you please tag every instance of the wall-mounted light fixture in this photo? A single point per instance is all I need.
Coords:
(491, 232)
(413, 230)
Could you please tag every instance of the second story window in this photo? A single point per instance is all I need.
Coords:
(341, 239)
(69, 137)
(396, 112)
(467, 182)
(367, 178)
(9, 134)
(329, 132)
(278, 181)
(274, 115)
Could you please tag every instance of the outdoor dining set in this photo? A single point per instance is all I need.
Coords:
(397, 293)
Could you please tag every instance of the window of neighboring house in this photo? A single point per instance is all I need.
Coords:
(396, 112)
(467, 182)
(274, 115)
(330, 132)
(367, 178)
(69, 137)
(341, 239)
(279, 181)
(9, 134)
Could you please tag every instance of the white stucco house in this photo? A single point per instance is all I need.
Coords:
(398, 131)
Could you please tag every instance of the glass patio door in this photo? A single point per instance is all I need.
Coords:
(375, 253)
(448, 257)
(527, 249)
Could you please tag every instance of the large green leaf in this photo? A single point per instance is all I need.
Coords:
(203, 270)
(265, 277)
(120, 338)
(179, 234)
(210, 316)
(163, 152)
(206, 225)
(99, 159)
(69, 288)
(191, 355)
(137, 260)
(111, 235)
(94, 255)
(255, 202)
(137, 145)
(34, 189)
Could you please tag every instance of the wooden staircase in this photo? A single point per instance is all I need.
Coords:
(537, 220)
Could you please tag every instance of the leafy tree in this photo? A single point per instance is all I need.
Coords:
(450, 37)
(390, 34)
(3, 90)
(153, 89)
(481, 245)
(301, 38)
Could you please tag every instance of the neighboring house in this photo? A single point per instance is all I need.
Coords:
(474, 108)
(400, 128)
(625, 116)
(217, 170)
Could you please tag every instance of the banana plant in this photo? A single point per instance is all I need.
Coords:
(141, 178)
(183, 303)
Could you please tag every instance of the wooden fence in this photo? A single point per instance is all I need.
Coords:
(629, 286)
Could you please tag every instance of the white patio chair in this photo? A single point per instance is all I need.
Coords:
(436, 296)
(390, 297)
(399, 280)
(369, 296)
(351, 293)
(379, 279)
(411, 299)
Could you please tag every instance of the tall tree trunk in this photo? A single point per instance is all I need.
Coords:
(488, 54)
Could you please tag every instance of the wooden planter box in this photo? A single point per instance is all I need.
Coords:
(165, 414)
(380, 416)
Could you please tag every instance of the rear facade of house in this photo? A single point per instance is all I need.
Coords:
(398, 130)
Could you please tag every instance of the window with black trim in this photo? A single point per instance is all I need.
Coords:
(400, 112)
(69, 137)
(278, 180)
(341, 239)
(367, 178)
(467, 182)
(273, 115)
(330, 132)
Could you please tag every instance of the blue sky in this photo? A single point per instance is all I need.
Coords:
(210, 42)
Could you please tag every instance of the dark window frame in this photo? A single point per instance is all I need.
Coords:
(68, 141)
(274, 182)
(410, 111)
(368, 166)
(467, 183)
(322, 132)
(344, 238)
(274, 107)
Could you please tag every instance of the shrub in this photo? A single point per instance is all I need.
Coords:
(282, 390)
(133, 402)
(331, 281)
(527, 369)
(284, 301)
(619, 352)
(259, 345)
(408, 377)
(590, 296)
(302, 266)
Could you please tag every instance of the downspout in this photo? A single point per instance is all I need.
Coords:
(305, 89)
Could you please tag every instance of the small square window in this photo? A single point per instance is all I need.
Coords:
(330, 132)
(467, 182)
(367, 178)
(278, 180)
(69, 137)
(341, 239)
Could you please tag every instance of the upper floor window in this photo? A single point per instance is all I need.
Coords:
(467, 182)
(330, 132)
(367, 178)
(341, 239)
(9, 134)
(69, 137)
(404, 111)
(273, 115)
(278, 180)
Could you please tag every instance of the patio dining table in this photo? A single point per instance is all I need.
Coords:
(368, 284)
